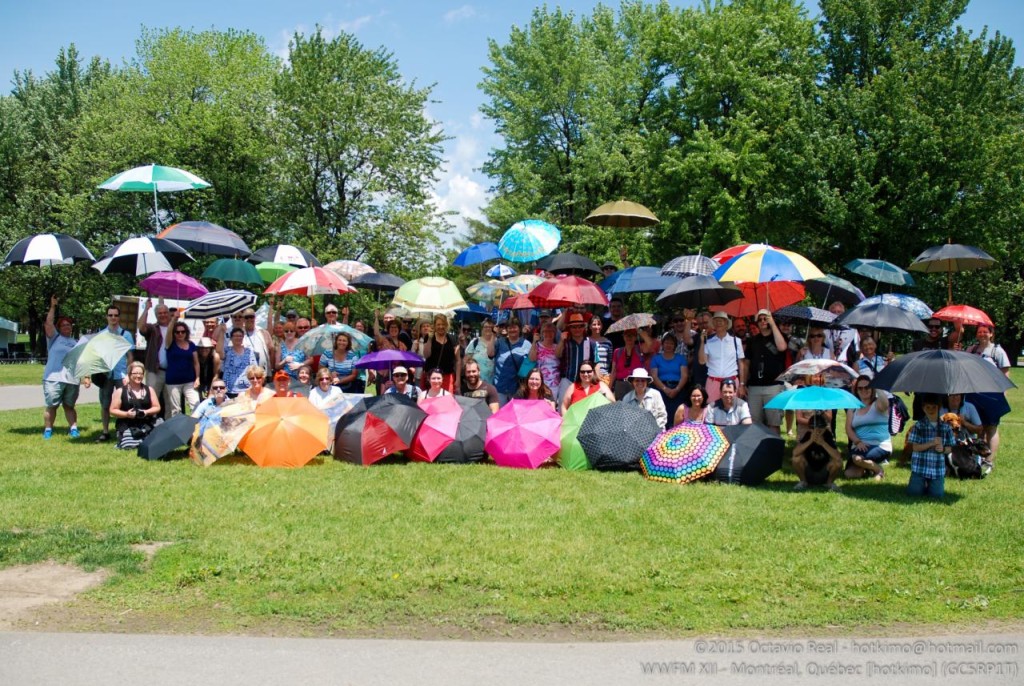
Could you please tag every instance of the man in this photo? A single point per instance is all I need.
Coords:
(260, 341)
(282, 385)
(115, 378)
(739, 329)
(644, 398)
(723, 356)
(609, 268)
(331, 314)
(616, 311)
(935, 340)
(728, 410)
(60, 388)
(842, 342)
(209, 328)
(401, 386)
(816, 459)
(291, 316)
(766, 360)
(475, 387)
(682, 328)
(573, 350)
(156, 351)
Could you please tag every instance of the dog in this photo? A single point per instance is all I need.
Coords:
(965, 460)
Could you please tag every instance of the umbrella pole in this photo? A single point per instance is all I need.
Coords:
(949, 282)
(156, 211)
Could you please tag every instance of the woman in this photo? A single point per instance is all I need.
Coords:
(340, 361)
(624, 361)
(135, 406)
(729, 410)
(237, 359)
(669, 374)
(390, 338)
(218, 396)
(209, 365)
(544, 352)
(586, 384)
(441, 352)
(534, 388)
(510, 351)
(304, 382)
(970, 419)
(602, 350)
(257, 393)
(182, 376)
(290, 357)
(991, 406)
(481, 349)
(870, 362)
(868, 431)
(324, 393)
(816, 348)
(695, 409)
(435, 386)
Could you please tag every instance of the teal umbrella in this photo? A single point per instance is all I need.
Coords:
(529, 240)
(95, 354)
(272, 271)
(814, 398)
(235, 271)
(154, 178)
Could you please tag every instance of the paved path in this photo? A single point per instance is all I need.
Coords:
(27, 397)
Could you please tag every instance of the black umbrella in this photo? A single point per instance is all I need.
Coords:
(143, 255)
(282, 253)
(615, 436)
(690, 265)
(206, 238)
(468, 445)
(377, 281)
(881, 317)
(755, 453)
(377, 427)
(698, 292)
(831, 287)
(46, 249)
(811, 316)
(949, 258)
(165, 437)
(568, 263)
(942, 372)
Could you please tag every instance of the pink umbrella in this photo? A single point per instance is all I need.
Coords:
(438, 430)
(523, 434)
(173, 285)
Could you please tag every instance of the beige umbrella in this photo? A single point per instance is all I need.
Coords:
(430, 295)
(622, 214)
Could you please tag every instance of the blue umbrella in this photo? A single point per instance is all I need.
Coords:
(814, 398)
(637, 280)
(909, 303)
(477, 253)
(880, 270)
(500, 271)
(529, 240)
(475, 313)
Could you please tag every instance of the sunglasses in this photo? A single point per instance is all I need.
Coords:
(863, 388)
(250, 316)
(400, 375)
(586, 371)
(113, 314)
(218, 388)
(817, 335)
(181, 331)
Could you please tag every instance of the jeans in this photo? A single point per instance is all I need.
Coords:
(919, 485)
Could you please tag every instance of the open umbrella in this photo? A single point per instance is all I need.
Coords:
(285, 254)
(376, 427)
(811, 316)
(143, 255)
(684, 454)
(47, 249)
(350, 269)
(529, 240)
(963, 314)
(487, 291)
(949, 258)
(220, 431)
(914, 306)
(167, 436)
(378, 281)
(637, 280)
(220, 303)
(880, 270)
(173, 285)
(814, 398)
(233, 271)
(272, 271)
(881, 317)
(772, 295)
(568, 263)
(475, 313)
(637, 320)
(729, 253)
(518, 302)
(154, 178)
(767, 265)
(942, 372)
(477, 253)
(430, 295)
(834, 374)
(439, 428)
(830, 288)
(523, 434)
(206, 238)
(95, 354)
(614, 436)
(386, 359)
(690, 265)
(755, 453)
(698, 292)
(500, 271)
(470, 436)
(622, 214)
(287, 432)
(571, 455)
(563, 291)
(320, 339)
(310, 281)
(524, 283)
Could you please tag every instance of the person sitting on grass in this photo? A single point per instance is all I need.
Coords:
(816, 459)
(868, 432)
(534, 388)
(401, 385)
(931, 440)
(728, 410)
(135, 407)
(218, 396)
(645, 397)
(282, 385)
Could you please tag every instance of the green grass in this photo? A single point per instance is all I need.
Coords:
(21, 374)
(334, 548)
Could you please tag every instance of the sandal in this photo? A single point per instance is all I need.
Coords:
(103, 437)
(879, 475)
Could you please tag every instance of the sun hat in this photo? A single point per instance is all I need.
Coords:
(767, 313)
(639, 373)
(399, 370)
(205, 342)
(282, 375)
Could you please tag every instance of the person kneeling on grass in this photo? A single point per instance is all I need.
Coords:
(931, 440)
(816, 459)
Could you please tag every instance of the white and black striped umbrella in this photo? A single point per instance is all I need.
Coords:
(690, 265)
(285, 254)
(220, 303)
(45, 249)
(144, 255)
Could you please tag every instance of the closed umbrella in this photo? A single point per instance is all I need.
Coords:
(523, 434)
(571, 455)
(143, 255)
(233, 271)
(430, 295)
(943, 372)
(690, 265)
(698, 292)
(95, 354)
(285, 254)
(167, 436)
(48, 249)
(206, 238)
(173, 285)
(684, 454)
(477, 253)
(154, 178)
(529, 240)
(622, 214)
(881, 317)
(220, 303)
(615, 436)
(287, 432)
(377, 427)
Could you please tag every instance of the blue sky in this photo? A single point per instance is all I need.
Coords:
(443, 42)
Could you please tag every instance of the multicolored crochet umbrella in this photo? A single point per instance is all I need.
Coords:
(684, 453)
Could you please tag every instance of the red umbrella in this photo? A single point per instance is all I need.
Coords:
(438, 430)
(963, 314)
(377, 427)
(772, 295)
(523, 434)
(729, 253)
(518, 301)
(310, 281)
(563, 291)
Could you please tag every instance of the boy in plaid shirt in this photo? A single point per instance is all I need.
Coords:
(930, 440)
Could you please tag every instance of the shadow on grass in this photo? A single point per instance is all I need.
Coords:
(867, 489)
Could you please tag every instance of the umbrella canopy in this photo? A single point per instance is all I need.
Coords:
(684, 453)
(615, 436)
(173, 285)
(811, 316)
(529, 240)
(487, 291)
(755, 453)
(518, 302)
(475, 313)
(568, 263)
(949, 258)
(386, 359)
(470, 436)
(881, 317)
(379, 281)
(350, 269)
(914, 306)
(48, 249)
(220, 303)
(438, 430)
(288, 432)
(815, 398)
(571, 455)
(698, 292)
(220, 431)
(272, 271)
(622, 214)
(430, 295)
(943, 372)
(729, 253)
(95, 354)
(167, 436)
(637, 280)
(320, 339)
(771, 295)
(563, 291)
(880, 270)
(140, 256)
(154, 178)
(690, 265)
(768, 264)
(963, 314)
(632, 321)
(523, 434)
(285, 254)
(500, 271)
(234, 271)
(310, 281)
(477, 253)
(831, 287)
(833, 374)
(377, 427)
(524, 283)
(206, 238)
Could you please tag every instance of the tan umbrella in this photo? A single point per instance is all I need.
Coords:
(622, 214)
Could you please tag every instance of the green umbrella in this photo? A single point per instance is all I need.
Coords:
(96, 354)
(236, 271)
(272, 271)
(572, 455)
(154, 178)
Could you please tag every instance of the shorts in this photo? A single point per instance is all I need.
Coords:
(59, 393)
(107, 392)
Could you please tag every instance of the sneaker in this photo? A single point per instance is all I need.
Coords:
(834, 488)
(800, 486)
(103, 437)
(986, 467)
(74, 433)
(47, 434)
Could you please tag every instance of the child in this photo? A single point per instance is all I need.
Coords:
(930, 440)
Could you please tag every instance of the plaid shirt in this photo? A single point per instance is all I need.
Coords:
(930, 464)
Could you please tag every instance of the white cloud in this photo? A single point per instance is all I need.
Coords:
(353, 25)
(329, 29)
(459, 14)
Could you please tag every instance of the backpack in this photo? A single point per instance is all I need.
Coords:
(898, 415)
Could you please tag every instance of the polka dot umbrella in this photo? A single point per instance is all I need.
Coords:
(684, 453)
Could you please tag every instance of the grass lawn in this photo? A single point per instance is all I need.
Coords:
(21, 374)
(431, 550)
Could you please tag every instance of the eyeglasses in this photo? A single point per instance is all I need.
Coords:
(181, 331)
(400, 375)
(586, 371)
(817, 335)
(256, 379)
(250, 316)
(331, 312)
(218, 388)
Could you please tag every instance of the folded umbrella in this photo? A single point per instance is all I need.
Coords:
(571, 455)
(684, 454)
(167, 436)
(615, 436)
(287, 432)
(523, 434)
(942, 372)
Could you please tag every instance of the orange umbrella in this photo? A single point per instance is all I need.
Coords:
(289, 432)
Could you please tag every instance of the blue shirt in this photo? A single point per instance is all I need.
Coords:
(669, 371)
(507, 358)
(930, 463)
(342, 368)
(57, 347)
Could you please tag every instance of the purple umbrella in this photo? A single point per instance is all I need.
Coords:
(173, 285)
(386, 359)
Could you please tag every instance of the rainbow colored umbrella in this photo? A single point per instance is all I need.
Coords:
(438, 430)
(684, 453)
(523, 434)
(571, 456)
(767, 264)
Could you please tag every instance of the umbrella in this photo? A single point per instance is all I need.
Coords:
(811, 316)
(173, 285)
(500, 271)
(320, 339)
(735, 250)
(47, 249)
(767, 264)
(154, 178)
(614, 436)
(475, 312)
(272, 271)
(563, 291)
(220, 431)
(95, 354)
(167, 436)
(949, 258)
(690, 265)
(529, 240)
(487, 290)
(771, 294)
(335, 410)
(914, 306)
(571, 455)
(834, 374)
(237, 271)
(755, 453)
(288, 432)
(814, 398)
(470, 436)
(386, 359)
(350, 269)
(140, 256)
(438, 430)
(430, 295)
(632, 321)
(637, 280)
(285, 254)
(518, 302)
(684, 453)
(880, 270)
(881, 317)
(523, 434)
(206, 238)
(831, 287)
(698, 292)
(963, 314)
(568, 263)
(622, 214)
(943, 372)
(220, 303)
(377, 427)
(310, 281)
(524, 283)
(378, 281)
(477, 253)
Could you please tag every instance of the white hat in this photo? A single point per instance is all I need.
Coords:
(639, 373)
(399, 370)
(721, 314)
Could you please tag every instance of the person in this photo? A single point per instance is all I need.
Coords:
(728, 410)
(389, 335)
(257, 393)
(510, 351)
(340, 362)
(723, 355)
(474, 386)
(156, 353)
(867, 429)
(435, 386)
(602, 350)
(282, 385)
(842, 343)
(116, 376)
(702, 326)
(616, 311)
(815, 349)
(970, 419)
(290, 354)
(60, 387)
(870, 362)
(534, 388)
(645, 398)
(303, 384)
(218, 396)
(572, 350)
(669, 374)
(766, 360)
(695, 410)
(816, 459)
(331, 314)
(608, 268)
(544, 352)
(441, 352)
(935, 340)
(260, 341)
(135, 407)
(181, 380)
(481, 349)
(739, 330)
(237, 359)
(400, 384)
(624, 360)
(209, 365)
(930, 440)
(325, 393)
(586, 384)
(990, 404)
